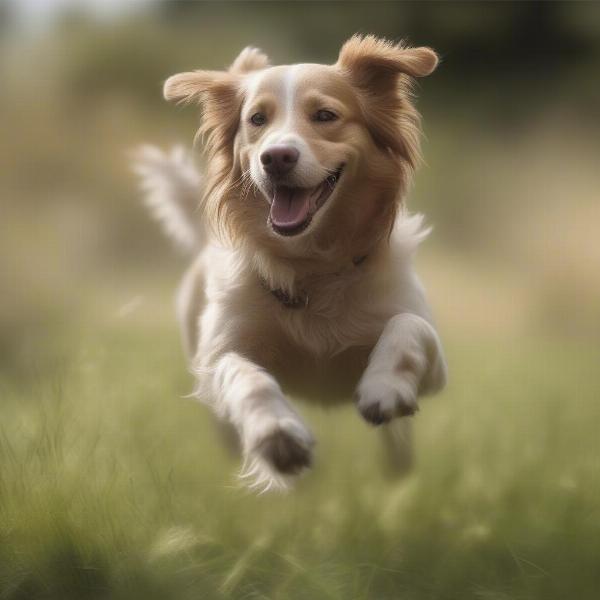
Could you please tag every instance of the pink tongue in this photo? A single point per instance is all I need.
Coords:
(290, 207)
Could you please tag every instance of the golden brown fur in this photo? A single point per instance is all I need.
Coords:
(365, 325)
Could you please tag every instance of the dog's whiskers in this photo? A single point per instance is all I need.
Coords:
(247, 184)
(240, 179)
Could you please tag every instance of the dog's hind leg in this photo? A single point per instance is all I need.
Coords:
(397, 446)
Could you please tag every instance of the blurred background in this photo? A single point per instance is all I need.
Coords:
(511, 118)
(512, 188)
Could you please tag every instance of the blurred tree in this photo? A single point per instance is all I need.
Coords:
(477, 35)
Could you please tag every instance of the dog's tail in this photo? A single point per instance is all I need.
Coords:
(172, 185)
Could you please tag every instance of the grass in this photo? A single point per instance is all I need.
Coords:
(112, 486)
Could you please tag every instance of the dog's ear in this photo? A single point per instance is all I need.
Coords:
(382, 72)
(249, 59)
(373, 62)
(199, 86)
(194, 86)
(219, 95)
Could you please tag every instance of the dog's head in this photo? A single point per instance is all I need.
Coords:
(309, 156)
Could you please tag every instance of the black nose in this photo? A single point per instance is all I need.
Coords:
(279, 160)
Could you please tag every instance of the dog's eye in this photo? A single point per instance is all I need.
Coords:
(324, 115)
(258, 119)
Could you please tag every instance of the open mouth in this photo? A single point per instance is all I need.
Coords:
(292, 208)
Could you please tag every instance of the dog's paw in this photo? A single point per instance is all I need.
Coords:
(285, 445)
(379, 399)
(287, 453)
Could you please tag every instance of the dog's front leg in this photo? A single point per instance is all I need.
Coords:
(407, 361)
(274, 439)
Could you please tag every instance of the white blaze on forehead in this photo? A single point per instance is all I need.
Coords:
(287, 105)
(284, 82)
(289, 89)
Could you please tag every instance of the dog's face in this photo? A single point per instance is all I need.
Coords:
(309, 152)
(298, 134)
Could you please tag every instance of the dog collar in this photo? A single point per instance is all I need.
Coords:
(300, 300)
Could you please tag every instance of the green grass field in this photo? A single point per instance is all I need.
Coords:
(113, 486)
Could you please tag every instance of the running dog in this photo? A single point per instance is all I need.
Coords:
(302, 282)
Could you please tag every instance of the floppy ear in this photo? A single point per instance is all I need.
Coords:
(219, 96)
(381, 72)
(198, 86)
(369, 59)
(195, 85)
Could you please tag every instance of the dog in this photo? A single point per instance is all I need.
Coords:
(302, 282)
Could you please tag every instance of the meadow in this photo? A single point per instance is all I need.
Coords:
(113, 485)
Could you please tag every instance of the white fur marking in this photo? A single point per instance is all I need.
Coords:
(290, 97)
